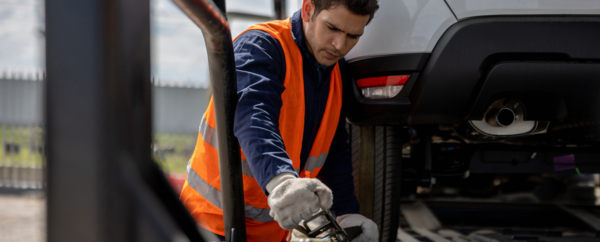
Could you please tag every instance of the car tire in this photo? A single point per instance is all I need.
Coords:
(377, 175)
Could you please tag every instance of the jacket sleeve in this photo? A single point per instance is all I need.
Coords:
(337, 170)
(260, 69)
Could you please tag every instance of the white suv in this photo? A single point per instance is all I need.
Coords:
(463, 87)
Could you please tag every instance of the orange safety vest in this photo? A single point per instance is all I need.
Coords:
(201, 192)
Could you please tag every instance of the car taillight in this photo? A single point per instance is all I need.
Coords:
(381, 87)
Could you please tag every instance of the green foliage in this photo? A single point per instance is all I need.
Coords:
(28, 139)
(173, 151)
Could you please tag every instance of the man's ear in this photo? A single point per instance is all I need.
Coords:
(308, 9)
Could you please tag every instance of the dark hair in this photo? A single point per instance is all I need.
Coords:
(358, 7)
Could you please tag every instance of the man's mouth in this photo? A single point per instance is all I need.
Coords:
(331, 55)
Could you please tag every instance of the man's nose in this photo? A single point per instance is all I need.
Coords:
(339, 42)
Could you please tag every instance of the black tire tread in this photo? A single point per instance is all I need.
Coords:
(387, 162)
(353, 138)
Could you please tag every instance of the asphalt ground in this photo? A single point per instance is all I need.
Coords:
(22, 216)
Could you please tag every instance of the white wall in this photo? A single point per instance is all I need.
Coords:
(175, 109)
(179, 109)
(21, 101)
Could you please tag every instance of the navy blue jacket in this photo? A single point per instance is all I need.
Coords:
(260, 66)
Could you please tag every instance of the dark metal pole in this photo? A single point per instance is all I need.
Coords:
(102, 182)
(217, 36)
(221, 4)
(280, 9)
(283, 9)
(73, 120)
(98, 110)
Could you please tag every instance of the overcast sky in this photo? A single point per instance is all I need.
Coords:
(178, 50)
(21, 39)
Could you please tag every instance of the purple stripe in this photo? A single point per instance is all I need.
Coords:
(562, 163)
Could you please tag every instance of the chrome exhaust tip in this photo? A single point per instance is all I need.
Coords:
(506, 117)
(503, 117)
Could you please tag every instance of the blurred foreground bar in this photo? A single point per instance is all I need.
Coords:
(102, 182)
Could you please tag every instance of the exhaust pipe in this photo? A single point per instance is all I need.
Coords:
(503, 117)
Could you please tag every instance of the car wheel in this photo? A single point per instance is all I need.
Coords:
(376, 160)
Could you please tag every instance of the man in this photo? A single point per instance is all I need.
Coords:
(295, 154)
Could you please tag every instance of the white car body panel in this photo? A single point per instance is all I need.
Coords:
(403, 26)
(474, 8)
(415, 26)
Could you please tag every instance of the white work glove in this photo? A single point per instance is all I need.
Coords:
(369, 228)
(295, 199)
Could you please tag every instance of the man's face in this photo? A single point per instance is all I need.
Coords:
(332, 33)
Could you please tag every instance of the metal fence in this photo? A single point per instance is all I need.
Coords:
(178, 108)
(21, 131)
(21, 157)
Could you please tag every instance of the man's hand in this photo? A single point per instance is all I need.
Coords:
(295, 199)
(369, 228)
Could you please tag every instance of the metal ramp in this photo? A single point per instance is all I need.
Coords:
(419, 223)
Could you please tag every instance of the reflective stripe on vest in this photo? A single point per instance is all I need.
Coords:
(213, 195)
(210, 136)
(314, 162)
(201, 193)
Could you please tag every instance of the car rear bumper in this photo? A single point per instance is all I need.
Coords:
(549, 63)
